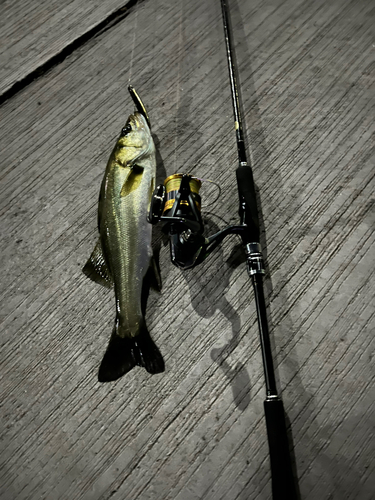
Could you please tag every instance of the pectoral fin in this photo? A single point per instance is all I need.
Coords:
(132, 182)
(96, 267)
(154, 275)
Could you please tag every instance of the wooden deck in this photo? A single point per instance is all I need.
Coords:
(196, 431)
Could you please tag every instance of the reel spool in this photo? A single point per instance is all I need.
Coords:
(164, 197)
(172, 185)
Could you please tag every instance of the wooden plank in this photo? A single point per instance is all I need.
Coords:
(34, 33)
(196, 431)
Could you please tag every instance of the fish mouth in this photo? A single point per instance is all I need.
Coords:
(138, 122)
(136, 136)
(140, 125)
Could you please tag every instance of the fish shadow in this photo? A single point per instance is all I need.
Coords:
(158, 237)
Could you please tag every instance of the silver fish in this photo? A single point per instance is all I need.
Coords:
(123, 255)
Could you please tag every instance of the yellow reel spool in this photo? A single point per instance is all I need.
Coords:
(172, 185)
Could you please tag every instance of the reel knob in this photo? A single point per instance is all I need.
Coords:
(157, 204)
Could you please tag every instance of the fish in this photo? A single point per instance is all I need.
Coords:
(123, 256)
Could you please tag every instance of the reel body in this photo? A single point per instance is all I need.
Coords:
(177, 203)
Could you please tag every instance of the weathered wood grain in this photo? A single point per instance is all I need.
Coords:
(197, 431)
(33, 33)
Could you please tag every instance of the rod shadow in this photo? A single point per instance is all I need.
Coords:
(207, 286)
(208, 283)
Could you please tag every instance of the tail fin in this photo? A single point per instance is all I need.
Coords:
(123, 354)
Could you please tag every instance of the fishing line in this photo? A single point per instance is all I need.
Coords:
(180, 37)
(133, 46)
(219, 191)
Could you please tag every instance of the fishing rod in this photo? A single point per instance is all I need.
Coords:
(283, 484)
(177, 203)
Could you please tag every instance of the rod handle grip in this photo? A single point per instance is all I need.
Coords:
(283, 482)
(246, 191)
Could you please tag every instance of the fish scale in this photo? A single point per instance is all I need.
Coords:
(127, 235)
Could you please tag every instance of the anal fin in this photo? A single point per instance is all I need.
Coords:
(154, 275)
(96, 267)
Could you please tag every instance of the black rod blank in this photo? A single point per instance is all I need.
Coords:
(269, 374)
(233, 85)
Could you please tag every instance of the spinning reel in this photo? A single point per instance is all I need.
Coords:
(177, 203)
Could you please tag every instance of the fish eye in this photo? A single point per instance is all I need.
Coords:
(126, 129)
